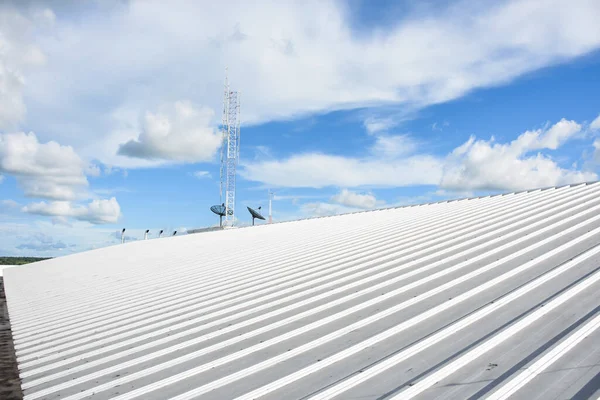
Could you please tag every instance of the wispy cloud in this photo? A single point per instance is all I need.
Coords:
(201, 174)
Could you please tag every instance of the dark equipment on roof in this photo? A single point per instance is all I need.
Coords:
(255, 214)
(220, 211)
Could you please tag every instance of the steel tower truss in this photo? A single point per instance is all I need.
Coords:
(230, 150)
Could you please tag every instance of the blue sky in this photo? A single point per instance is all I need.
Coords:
(346, 106)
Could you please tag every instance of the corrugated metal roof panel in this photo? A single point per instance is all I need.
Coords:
(491, 296)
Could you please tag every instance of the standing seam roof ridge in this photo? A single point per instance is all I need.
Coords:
(542, 226)
(436, 337)
(52, 317)
(442, 215)
(238, 375)
(536, 245)
(384, 228)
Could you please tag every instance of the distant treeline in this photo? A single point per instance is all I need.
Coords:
(19, 260)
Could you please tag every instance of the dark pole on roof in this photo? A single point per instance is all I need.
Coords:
(123, 236)
(221, 217)
(174, 233)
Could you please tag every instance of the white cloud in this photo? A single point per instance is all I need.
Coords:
(439, 126)
(79, 236)
(596, 155)
(317, 170)
(376, 125)
(179, 133)
(41, 242)
(95, 212)
(389, 163)
(388, 146)
(419, 61)
(18, 55)
(46, 170)
(356, 200)
(485, 165)
(1, 178)
(201, 174)
(595, 125)
(475, 165)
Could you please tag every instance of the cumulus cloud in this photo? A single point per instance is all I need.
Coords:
(345, 201)
(180, 133)
(95, 212)
(399, 161)
(18, 55)
(352, 199)
(485, 165)
(46, 170)
(416, 62)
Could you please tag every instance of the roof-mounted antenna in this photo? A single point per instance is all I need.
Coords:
(220, 211)
(160, 233)
(270, 209)
(255, 214)
(146, 234)
(123, 236)
(230, 150)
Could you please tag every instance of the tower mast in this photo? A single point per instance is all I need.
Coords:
(230, 149)
(270, 209)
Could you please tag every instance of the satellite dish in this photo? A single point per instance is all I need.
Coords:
(255, 214)
(220, 210)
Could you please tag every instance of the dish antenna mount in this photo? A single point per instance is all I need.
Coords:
(255, 214)
(220, 210)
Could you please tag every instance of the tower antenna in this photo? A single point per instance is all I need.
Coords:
(270, 209)
(223, 137)
(230, 150)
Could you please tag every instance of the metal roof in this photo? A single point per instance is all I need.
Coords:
(480, 298)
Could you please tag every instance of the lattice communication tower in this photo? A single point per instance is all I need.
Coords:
(230, 150)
